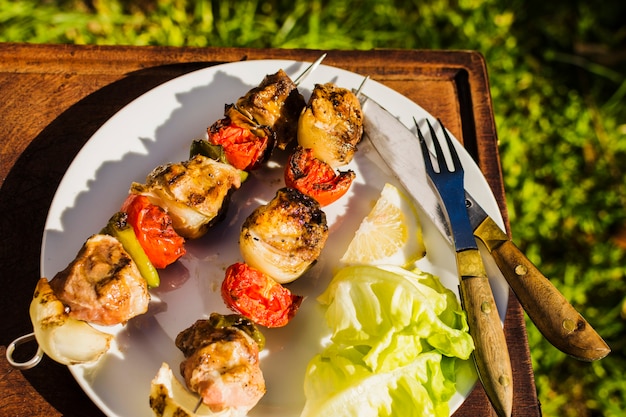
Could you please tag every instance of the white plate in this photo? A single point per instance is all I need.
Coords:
(158, 128)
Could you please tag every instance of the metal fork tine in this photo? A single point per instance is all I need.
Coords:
(458, 166)
(441, 159)
(428, 163)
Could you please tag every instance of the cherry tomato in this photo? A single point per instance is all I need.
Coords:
(153, 228)
(242, 147)
(316, 178)
(257, 296)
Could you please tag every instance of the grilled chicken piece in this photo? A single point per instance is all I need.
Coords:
(275, 103)
(195, 193)
(284, 237)
(331, 124)
(102, 285)
(222, 365)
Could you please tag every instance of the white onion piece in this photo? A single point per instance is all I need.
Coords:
(284, 237)
(266, 258)
(318, 136)
(331, 124)
(193, 192)
(64, 339)
(187, 221)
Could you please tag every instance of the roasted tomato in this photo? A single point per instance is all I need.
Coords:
(153, 227)
(246, 144)
(315, 178)
(257, 296)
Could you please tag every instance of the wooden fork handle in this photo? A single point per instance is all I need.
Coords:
(491, 354)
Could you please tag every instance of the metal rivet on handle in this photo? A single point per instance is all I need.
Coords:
(569, 325)
(504, 380)
(521, 270)
(485, 307)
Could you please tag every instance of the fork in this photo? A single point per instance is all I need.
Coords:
(491, 355)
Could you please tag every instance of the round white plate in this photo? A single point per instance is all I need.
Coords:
(157, 128)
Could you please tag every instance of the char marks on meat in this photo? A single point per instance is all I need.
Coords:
(275, 103)
(195, 193)
(331, 124)
(102, 285)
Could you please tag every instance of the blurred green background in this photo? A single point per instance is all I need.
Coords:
(557, 73)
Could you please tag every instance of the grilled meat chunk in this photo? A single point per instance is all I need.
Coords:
(275, 103)
(222, 365)
(284, 237)
(331, 124)
(102, 285)
(195, 193)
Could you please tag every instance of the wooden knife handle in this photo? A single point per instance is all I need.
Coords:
(491, 353)
(552, 314)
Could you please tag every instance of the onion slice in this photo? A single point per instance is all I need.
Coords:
(64, 339)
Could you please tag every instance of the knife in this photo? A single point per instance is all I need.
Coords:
(559, 322)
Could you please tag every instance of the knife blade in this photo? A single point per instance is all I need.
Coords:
(558, 321)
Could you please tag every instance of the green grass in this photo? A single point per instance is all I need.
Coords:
(557, 74)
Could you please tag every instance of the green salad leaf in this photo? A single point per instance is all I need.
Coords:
(395, 337)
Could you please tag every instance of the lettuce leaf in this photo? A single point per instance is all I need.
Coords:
(395, 336)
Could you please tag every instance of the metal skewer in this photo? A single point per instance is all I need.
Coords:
(358, 90)
(309, 69)
(362, 99)
(30, 363)
(198, 404)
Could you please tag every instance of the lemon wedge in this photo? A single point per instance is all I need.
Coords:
(390, 234)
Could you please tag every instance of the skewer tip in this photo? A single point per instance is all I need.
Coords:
(309, 69)
(198, 404)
